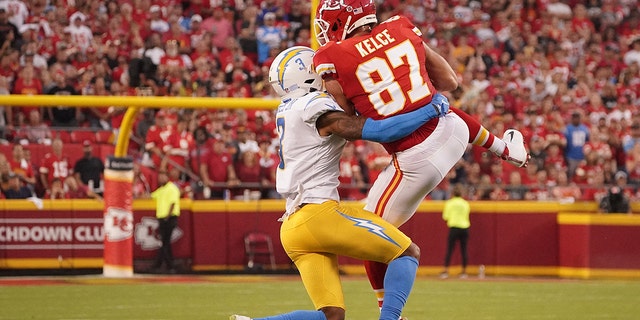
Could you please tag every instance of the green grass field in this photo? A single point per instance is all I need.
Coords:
(216, 297)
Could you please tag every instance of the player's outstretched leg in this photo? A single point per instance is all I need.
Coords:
(295, 315)
(510, 148)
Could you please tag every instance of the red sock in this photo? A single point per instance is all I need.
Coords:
(375, 273)
(480, 136)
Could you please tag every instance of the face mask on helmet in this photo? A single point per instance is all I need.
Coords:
(336, 19)
(291, 74)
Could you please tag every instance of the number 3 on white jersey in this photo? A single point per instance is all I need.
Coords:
(388, 82)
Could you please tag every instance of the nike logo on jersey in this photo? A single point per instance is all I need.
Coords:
(371, 44)
(369, 225)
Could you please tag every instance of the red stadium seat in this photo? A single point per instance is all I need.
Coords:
(64, 135)
(104, 136)
(79, 136)
(259, 244)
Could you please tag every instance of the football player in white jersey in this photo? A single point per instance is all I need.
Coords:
(316, 228)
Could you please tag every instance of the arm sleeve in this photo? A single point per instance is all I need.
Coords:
(398, 126)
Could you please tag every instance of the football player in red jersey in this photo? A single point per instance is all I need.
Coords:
(385, 69)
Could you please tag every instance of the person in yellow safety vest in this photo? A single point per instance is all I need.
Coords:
(167, 198)
(456, 214)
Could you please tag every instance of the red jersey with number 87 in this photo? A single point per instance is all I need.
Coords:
(382, 73)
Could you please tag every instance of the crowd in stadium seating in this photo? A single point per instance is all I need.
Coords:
(565, 73)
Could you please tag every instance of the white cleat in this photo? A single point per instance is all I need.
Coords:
(515, 153)
(239, 317)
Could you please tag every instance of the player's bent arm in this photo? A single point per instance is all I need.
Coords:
(442, 76)
(385, 130)
(333, 87)
(340, 123)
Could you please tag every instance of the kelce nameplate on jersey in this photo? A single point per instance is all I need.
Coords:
(371, 44)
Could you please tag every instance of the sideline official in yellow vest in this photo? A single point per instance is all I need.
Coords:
(456, 214)
(167, 198)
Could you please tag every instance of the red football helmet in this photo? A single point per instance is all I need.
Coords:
(336, 19)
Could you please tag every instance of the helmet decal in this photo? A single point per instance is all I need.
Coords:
(285, 61)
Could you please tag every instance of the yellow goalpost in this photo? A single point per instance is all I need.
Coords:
(118, 174)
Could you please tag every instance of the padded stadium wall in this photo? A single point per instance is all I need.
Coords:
(508, 238)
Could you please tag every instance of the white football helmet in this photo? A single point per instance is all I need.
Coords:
(291, 74)
(336, 19)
